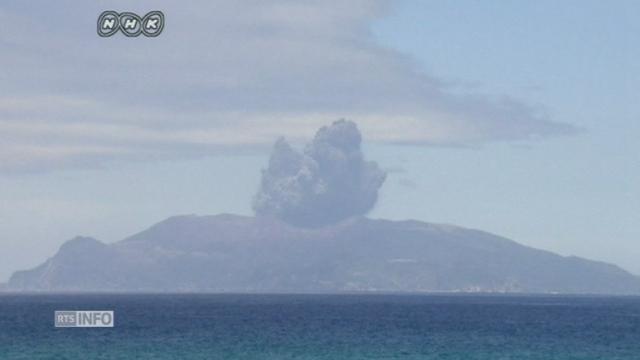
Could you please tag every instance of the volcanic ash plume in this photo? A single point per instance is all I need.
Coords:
(328, 182)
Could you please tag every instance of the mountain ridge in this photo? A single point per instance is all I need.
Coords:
(233, 253)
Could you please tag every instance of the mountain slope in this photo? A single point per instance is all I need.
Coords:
(246, 254)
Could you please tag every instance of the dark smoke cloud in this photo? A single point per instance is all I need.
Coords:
(328, 182)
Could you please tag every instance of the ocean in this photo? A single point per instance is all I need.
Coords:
(333, 327)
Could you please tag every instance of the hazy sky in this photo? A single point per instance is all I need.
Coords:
(516, 117)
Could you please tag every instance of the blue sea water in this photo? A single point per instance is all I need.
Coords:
(325, 327)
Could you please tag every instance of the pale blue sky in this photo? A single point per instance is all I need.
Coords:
(577, 60)
(573, 192)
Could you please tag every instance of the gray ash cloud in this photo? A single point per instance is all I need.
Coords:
(327, 182)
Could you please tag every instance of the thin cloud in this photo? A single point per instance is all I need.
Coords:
(226, 76)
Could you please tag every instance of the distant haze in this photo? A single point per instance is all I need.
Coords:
(309, 236)
(230, 253)
(518, 118)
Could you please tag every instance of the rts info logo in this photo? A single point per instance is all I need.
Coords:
(130, 24)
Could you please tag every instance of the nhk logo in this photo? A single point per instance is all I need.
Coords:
(130, 24)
